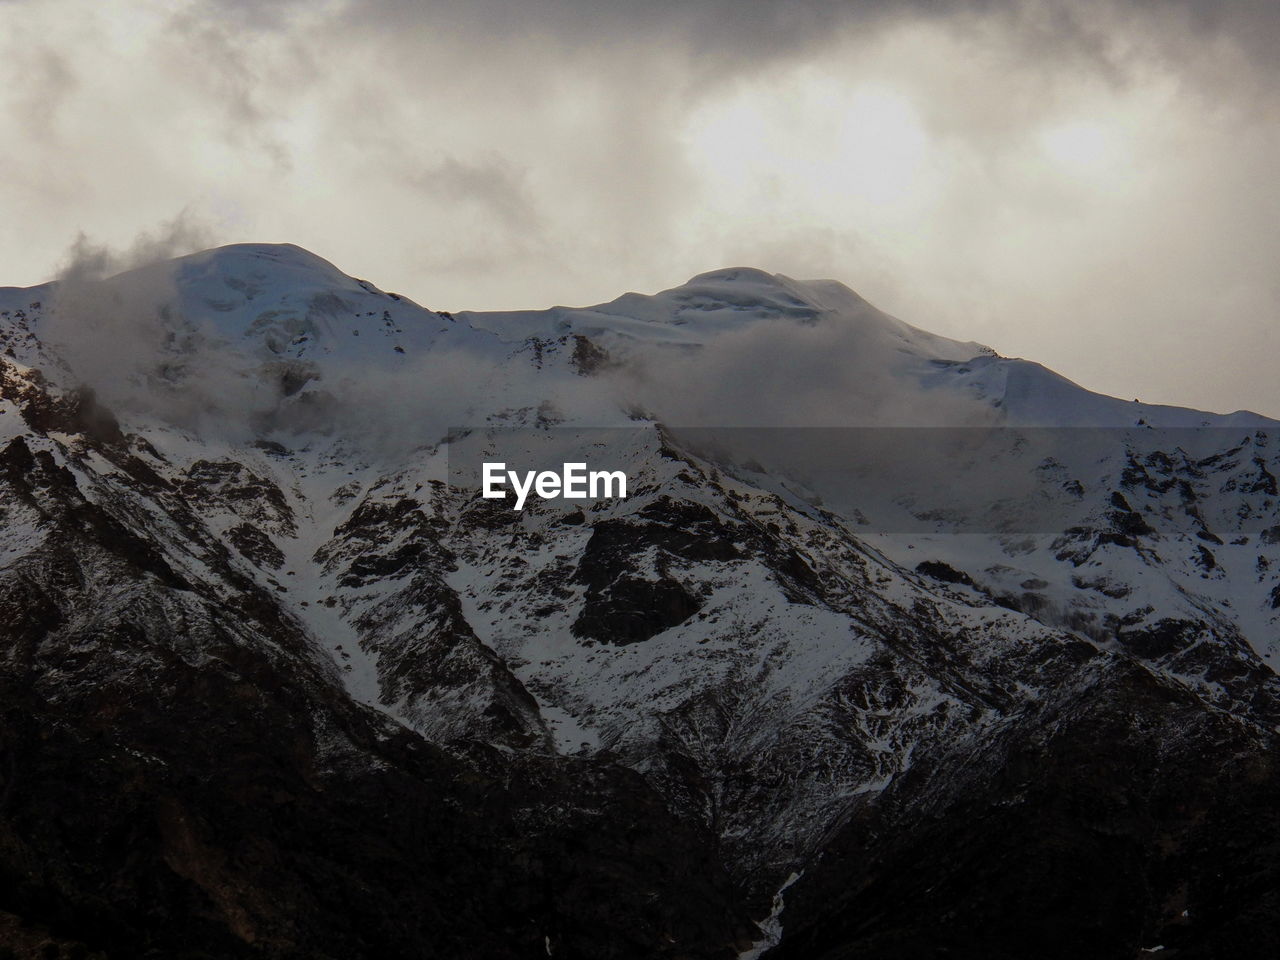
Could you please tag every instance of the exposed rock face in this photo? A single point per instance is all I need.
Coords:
(294, 695)
(183, 776)
(631, 594)
(1118, 818)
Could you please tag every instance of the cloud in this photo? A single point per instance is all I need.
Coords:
(493, 187)
(115, 333)
(131, 324)
(49, 84)
(743, 35)
(1084, 182)
(86, 261)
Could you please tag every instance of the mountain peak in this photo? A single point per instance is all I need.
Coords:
(281, 316)
(261, 609)
(738, 275)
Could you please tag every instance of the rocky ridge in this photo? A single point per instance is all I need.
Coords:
(296, 692)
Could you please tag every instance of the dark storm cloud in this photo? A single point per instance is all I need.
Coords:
(740, 33)
(1254, 24)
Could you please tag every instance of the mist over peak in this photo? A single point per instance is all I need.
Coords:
(254, 338)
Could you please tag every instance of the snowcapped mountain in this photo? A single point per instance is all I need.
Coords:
(896, 647)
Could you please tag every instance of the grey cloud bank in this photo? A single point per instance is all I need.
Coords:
(1089, 184)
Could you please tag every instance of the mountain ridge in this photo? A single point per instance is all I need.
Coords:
(745, 663)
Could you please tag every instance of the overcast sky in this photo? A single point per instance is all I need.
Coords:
(1093, 185)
